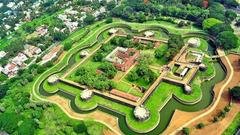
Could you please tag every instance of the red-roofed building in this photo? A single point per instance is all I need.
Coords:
(123, 58)
(51, 55)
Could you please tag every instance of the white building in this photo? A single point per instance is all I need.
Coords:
(10, 70)
(31, 50)
(2, 54)
(20, 59)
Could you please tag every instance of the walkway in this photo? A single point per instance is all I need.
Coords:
(219, 87)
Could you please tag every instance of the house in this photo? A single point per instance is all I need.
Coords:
(31, 51)
(20, 59)
(51, 55)
(10, 70)
(2, 54)
(123, 58)
(41, 30)
(72, 26)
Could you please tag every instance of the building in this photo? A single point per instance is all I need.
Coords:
(123, 58)
(20, 59)
(51, 55)
(2, 54)
(194, 42)
(84, 53)
(31, 51)
(41, 30)
(148, 33)
(10, 70)
(112, 31)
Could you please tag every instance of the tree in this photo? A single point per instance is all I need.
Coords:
(227, 40)
(80, 128)
(133, 76)
(230, 15)
(218, 28)
(210, 22)
(27, 127)
(159, 53)
(109, 20)
(200, 125)
(111, 5)
(186, 131)
(109, 69)
(89, 19)
(67, 46)
(235, 93)
(175, 41)
(98, 57)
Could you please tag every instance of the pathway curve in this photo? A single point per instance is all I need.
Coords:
(230, 72)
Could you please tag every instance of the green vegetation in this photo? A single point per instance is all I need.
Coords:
(234, 126)
(235, 93)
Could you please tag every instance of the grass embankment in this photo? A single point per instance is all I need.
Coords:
(234, 126)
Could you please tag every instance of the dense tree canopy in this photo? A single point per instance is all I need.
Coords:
(210, 22)
(235, 92)
(227, 40)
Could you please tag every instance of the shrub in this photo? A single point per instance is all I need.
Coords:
(186, 131)
(200, 125)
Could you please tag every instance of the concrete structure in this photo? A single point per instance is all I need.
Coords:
(86, 94)
(141, 113)
(84, 53)
(2, 54)
(202, 67)
(187, 89)
(123, 58)
(194, 42)
(148, 33)
(113, 31)
(53, 79)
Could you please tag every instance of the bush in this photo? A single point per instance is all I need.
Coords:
(227, 108)
(200, 125)
(186, 131)
(80, 128)
(235, 93)
(109, 20)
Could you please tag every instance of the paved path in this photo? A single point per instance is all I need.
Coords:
(216, 101)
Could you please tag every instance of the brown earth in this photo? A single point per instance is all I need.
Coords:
(216, 128)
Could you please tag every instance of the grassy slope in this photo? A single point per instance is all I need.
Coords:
(233, 126)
